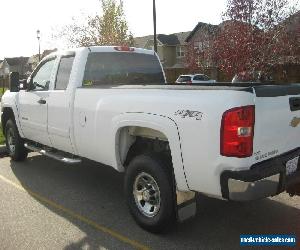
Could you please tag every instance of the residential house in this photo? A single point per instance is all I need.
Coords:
(33, 61)
(170, 48)
(198, 43)
(293, 23)
(1, 74)
(287, 68)
(15, 64)
(1, 69)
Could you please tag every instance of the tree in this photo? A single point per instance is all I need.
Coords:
(254, 36)
(109, 29)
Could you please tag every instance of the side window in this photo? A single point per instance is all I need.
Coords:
(41, 79)
(198, 78)
(206, 78)
(63, 73)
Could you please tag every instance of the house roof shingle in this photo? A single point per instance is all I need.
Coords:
(211, 27)
(172, 39)
(182, 36)
(168, 39)
(16, 60)
(140, 42)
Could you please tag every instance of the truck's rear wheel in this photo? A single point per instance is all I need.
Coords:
(149, 193)
(14, 143)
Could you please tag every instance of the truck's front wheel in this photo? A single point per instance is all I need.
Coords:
(14, 143)
(149, 192)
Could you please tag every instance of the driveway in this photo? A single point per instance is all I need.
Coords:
(48, 205)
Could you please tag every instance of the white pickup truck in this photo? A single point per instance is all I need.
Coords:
(112, 105)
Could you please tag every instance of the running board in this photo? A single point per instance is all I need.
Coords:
(52, 155)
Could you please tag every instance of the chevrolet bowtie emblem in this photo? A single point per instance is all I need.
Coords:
(295, 122)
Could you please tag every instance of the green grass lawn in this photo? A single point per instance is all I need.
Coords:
(2, 140)
(2, 90)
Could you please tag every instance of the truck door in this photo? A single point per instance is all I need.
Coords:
(59, 106)
(33, 106)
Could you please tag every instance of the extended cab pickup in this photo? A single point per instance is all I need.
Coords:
(112, 105)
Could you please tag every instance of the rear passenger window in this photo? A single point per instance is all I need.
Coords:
(199, 78)
(63, 73)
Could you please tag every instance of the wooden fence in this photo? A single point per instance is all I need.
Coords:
(280, 73)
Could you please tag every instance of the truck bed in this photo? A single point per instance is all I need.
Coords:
(259, 89)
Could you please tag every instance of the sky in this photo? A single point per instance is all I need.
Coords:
(21, 19)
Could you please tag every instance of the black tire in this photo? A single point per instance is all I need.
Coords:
(144, 166)
(14, 143)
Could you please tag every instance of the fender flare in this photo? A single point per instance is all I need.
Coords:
(16, 116)
(161, 123)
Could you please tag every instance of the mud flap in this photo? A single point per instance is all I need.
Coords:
(294, 190)
(186, 205)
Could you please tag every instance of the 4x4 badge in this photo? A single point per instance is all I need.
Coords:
(295, 122)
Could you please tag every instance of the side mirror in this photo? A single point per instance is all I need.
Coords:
(30, 85)
(23, 84)
(14, 81)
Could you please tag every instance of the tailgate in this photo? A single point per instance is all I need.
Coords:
(277, 120)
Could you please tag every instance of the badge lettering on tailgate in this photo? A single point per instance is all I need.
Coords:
(259, 155)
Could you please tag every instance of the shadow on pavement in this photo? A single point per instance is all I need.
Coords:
(96, 192)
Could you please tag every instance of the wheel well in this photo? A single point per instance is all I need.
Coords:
(135, 140)
(6, 115)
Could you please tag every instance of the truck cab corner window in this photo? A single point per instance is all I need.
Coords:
(64, 72)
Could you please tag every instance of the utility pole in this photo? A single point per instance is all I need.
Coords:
(154, 26)
(38, 36)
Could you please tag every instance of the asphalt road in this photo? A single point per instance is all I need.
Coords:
(48, 205)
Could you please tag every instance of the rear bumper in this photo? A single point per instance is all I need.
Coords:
(263, 179)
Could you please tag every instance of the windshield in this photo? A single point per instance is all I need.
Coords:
(117, 68)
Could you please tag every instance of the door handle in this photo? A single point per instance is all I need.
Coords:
(42, 101)
(294, 103)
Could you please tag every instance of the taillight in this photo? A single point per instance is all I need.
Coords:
(124, 48)
(189, 82)
(237, 131)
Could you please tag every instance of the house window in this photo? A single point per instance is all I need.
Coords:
(198, 45)
(180, 51)
(201, 62)
(201, 45)
(6, 70)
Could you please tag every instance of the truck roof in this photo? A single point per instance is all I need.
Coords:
(103, 49)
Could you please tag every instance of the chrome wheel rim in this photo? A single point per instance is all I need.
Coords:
(146, 194)
(11, 140)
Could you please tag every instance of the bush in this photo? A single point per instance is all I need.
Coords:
(2, 90)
